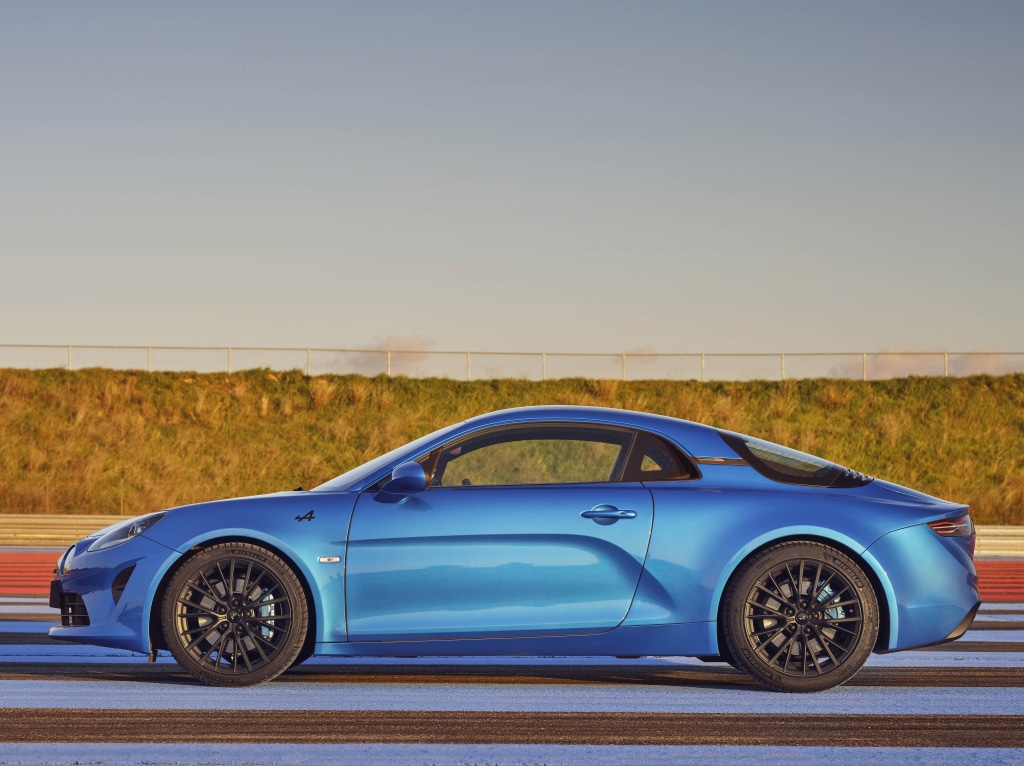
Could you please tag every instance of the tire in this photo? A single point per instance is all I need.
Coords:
(804, 638)
(307, 651)
(234, 614)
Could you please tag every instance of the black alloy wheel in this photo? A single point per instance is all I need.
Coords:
(234, 614)
(800, 617)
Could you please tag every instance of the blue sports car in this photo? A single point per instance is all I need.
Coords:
(540, 531)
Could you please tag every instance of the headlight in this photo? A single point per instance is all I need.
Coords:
(124, 532)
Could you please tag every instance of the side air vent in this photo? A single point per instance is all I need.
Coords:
(118, 586)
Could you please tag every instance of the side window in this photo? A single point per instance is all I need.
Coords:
(541, 454)
(654, 459)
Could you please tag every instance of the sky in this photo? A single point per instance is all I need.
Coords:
(514, 176)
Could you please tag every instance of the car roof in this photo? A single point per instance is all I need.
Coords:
(695, 438)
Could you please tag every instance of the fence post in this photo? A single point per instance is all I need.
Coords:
(623, 366)
(945, 364)
(309, 366)
(469, 374)
(149, 359)
(69, 358)
(783, 356)
(229, 361)
(865, 361)
(389, 363)
(543, 366)
(702, 368)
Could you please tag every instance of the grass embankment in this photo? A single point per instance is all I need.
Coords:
(105, 441)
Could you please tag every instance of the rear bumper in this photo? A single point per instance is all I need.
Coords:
(934, 586)
(960, 629)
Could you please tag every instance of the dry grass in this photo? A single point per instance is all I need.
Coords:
(102, 441)
(321, 392)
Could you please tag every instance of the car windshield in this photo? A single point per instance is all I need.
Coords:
(366, 471)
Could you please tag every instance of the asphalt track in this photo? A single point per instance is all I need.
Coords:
(366, 727)
(62, 703)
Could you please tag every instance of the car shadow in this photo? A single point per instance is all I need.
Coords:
(524, 673)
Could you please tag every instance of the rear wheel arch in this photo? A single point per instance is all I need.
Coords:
(800, 615)
(867, 564)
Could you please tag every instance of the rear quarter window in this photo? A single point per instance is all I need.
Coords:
(790, 466)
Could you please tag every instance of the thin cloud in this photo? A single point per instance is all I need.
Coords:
(409, 355)
(643, 356)
(905, 362)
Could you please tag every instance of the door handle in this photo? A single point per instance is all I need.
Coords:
(607, 514)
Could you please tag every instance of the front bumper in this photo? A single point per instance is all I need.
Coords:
(105, 597)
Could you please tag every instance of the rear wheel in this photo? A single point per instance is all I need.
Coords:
(234, 614)
(800, 617)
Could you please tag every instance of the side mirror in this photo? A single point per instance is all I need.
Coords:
(406, 478)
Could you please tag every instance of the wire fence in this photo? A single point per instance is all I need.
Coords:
(488, 365)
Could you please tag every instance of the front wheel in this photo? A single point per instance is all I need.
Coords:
(800, 617)
(234, 614)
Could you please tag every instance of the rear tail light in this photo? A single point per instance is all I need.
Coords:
(957, 526)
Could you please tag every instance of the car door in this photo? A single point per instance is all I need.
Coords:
(524, 530)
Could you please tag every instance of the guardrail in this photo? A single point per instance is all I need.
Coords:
(54, 530)
(469, 365)
(62, 530)
(999, 541)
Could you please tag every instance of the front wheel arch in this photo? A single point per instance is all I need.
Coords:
(234, 614)
(885, 604)
(156, 634)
